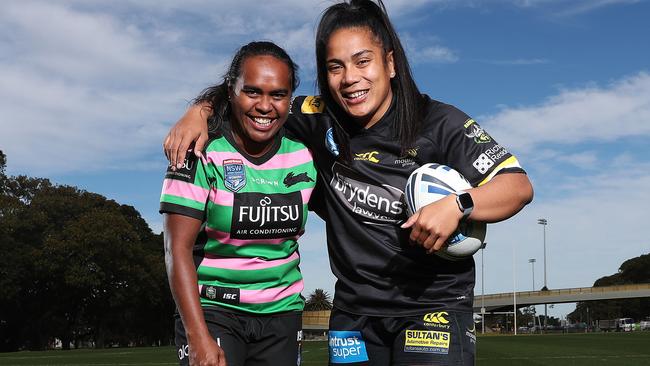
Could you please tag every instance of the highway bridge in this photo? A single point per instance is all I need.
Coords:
(505, 301)
(318, 320)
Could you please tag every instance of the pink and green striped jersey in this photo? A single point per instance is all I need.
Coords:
(253, 211)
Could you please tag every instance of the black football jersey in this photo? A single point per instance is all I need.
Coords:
(361, 200)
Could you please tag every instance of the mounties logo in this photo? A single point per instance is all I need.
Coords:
(373, 202)
(266, 216)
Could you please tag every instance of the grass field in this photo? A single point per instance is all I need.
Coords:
(621, 349)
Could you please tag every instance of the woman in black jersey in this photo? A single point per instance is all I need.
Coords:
(369, 129)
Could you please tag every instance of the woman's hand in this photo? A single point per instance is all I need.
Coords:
(190, 130)
(432, 224)
(206, 352)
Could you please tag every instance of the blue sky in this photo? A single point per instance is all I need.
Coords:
(89, 89)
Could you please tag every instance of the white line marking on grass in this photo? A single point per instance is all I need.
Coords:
(564, 357)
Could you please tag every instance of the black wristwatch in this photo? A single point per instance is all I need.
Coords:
(465, 203)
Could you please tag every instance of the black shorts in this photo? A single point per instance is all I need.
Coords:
(436, 338)
(250, 340)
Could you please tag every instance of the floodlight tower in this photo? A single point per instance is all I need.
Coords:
(544, 222)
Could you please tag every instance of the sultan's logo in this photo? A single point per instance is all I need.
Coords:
(367, 156)
(436, 319)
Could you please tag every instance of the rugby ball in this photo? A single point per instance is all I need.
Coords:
(432, 182)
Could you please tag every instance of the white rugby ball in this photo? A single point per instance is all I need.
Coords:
(432, 182)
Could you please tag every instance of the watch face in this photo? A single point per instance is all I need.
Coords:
(466, 200)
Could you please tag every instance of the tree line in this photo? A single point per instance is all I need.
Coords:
(632, 271)
(77, 267)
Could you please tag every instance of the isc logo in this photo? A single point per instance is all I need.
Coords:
(437, 318)
(230, 296)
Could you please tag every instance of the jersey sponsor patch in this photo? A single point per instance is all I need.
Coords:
(266, 216)
(234, 174)
(426, 341)
(437, 320)
(491, 156)
(370, 156)
(292, 179)
(346, 347)
(374, 203)
(226, 295)
(330, 143)
(187, 172)
(476, 132)
(312, 105)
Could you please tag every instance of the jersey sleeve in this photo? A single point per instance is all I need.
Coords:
(303, 117)
(186, 190)
(469, 149)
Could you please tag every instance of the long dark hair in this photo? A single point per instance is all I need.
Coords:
(372, 16)
(217, 95)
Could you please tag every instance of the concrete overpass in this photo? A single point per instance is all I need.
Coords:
(318, 320)
(504, 301)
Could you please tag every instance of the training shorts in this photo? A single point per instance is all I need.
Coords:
(435, 338)
(250, 340)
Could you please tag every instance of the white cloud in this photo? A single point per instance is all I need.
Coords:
(519, 61)
(426, 50)
(590, 233)
(578, 115)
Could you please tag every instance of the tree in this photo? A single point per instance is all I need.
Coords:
(77, 266)
(318, 300)
(635, 270)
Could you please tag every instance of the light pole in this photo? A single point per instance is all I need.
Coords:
(482, 291)
(544, 222)
(514, 288)
(532, 262)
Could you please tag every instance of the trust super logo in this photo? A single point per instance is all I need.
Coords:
(476, 133)
(234, 174)
(347, 347)
(312, 105)
(436, 319)
(370, 156)
(426, 341)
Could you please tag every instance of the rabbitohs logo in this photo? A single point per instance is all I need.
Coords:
(373, 202)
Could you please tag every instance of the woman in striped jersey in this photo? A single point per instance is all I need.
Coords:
(232, 219)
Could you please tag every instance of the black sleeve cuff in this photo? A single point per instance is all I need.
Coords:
(166, 207)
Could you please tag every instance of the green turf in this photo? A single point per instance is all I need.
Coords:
(590, 349)
(624, 349)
